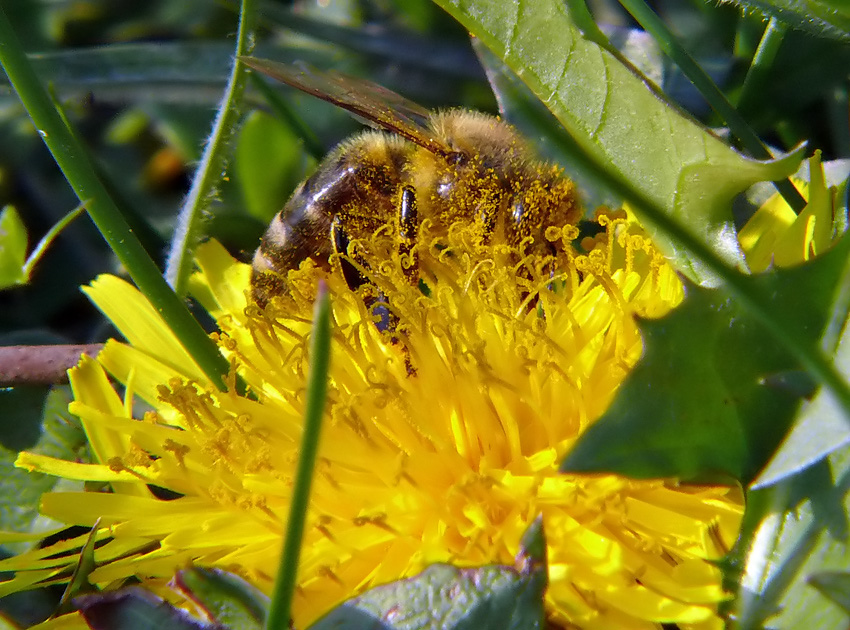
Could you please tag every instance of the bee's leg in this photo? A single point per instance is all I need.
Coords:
(339, 237)
(408, 232)
(408, 226)
(487, 217)
(521, 227)
(354, 278)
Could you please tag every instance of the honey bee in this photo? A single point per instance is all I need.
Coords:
(446, 166)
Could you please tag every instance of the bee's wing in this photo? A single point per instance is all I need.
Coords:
(368, 100)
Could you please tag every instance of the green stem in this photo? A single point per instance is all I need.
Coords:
(718, 101)
(189, 229)
(80, 173)
(765, 55)
(317, 385)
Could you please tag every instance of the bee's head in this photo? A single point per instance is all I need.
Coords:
(477, 137)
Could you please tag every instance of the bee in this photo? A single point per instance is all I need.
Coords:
(444, 166)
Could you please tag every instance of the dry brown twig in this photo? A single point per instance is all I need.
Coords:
(41, 365)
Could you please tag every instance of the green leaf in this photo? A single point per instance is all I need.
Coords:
(819, 430)
(13, 248)
(707, 397)
(801, 531)
(789, 545)
(15, 267)
(825, 18)
(60, 435)
(532, 554)
(136, 609)
(617, 119)
(224, 597)
(835, 585)
(492, 597)
(79, 583)
(20, 422)
(269, 163)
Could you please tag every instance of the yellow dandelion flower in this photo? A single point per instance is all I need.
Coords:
(776, 235)
(441, 442)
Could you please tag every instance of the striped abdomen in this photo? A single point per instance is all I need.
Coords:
(358, 182)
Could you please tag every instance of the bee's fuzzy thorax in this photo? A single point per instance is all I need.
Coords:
(470, 131)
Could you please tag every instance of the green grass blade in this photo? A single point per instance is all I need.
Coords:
(317, 386)
(771, 41)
